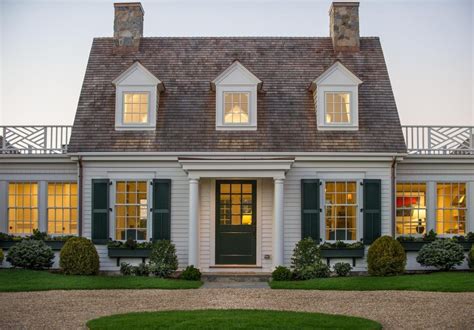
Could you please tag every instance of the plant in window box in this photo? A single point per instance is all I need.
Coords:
(341, 249)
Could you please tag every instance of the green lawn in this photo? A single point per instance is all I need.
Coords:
(444, 282)
(230, 319)
(29, 280)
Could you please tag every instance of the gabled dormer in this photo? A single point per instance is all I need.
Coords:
(136, 98)
(336, 98)
(236, 98)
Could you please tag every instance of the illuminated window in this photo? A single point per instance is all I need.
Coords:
(135, 108)
(451, 208)
(236, 107)
(22, 207)
(341, 210)
(338, 108)
(411, 208)
(236, 203)
(131, 210)
(62, 208)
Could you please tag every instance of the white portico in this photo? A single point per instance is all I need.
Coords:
(251, 236)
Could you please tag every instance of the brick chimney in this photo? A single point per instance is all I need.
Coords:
(128, 24)
(344, 26)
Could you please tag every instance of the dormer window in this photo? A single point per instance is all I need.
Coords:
(236, 98)
(137, 98)
(336, 99)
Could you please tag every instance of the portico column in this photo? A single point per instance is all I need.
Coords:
(278, 223)
(193, 241)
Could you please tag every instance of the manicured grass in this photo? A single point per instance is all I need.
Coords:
(230, 319)
(443, 282)
(29, 280)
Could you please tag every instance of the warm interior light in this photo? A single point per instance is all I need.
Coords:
(418, 214)
(236, 115)
(247, 219)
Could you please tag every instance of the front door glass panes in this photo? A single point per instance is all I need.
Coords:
(236, 108)
(62, 208)
(411, 208)
(22, 207)
(341, 210)
(131, 210)
(451, 208)
(236, 204)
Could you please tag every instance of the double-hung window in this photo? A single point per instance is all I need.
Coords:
(236, 108)
(337, 108)
(62, 208)
(451, 208)
(340, 204)
(411, 208)
(136, 107)
(131, 210)
(22, 207)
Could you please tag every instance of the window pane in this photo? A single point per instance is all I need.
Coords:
(411, 208)
(131, 213)
(135, 109)
(451, 208)
(337, 108)
(236, 108)
(341, 210)
(22, 207)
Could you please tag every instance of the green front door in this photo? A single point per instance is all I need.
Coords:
(236, 222)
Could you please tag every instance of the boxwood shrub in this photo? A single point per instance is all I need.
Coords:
(191, 273)
(443, 254)
(163, 259)
(386, 257)
(30, 254)
(79, 257)
(281, 273)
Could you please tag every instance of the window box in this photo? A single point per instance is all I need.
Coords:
(415, 246)
(331, 253)
(128, 253)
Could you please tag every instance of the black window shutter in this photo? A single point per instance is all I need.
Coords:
(372, 210)
(100, 211)
(161, 209)
(310, 209)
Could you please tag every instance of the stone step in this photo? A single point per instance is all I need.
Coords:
(235, 277)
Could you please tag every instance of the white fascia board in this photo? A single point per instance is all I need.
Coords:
(337, 66)
(250, 78)
(231, 164)
(138, 66)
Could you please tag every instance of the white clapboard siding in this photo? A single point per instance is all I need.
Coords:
(132, 170)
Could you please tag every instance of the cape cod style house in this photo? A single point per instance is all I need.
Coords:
(235, 148)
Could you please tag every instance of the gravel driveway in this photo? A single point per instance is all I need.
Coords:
(394, 309)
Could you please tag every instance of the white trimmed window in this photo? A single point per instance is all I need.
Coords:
(451, 208)
(336, 99)
(131, 210)
(236, 98)
(22, 207)
(411, 208)
(341, 208)
(62, 208)
(137, 98)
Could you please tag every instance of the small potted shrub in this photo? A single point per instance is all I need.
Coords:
(191, 273)
(79, 257)
(443, 254)
(30, 254)
(386, 257)
(342, 269)
(281, 273)
(163, 259)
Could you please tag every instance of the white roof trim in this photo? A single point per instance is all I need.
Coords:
(138, 66)
(252, 79)
(336, 66)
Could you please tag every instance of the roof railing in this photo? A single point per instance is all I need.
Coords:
(30, 140)
(439, 140)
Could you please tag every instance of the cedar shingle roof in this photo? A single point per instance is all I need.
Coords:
(286, 114)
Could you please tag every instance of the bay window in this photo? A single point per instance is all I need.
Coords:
(411, 209)
(341, 210)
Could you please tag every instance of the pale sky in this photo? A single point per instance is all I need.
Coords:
(428, 46)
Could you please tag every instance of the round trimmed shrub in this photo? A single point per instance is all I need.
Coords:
(191, 273)
(281, 273)
(386, 257)
(30, 254)
(443, 254)
(470, 258)
(163, 259)
(342, 269)
(79, 257)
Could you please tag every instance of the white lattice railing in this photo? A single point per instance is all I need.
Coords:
(34, 139)
(439, 140)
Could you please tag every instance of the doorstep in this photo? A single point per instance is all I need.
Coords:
(236, 277)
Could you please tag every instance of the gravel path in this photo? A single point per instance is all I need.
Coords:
(394, 309)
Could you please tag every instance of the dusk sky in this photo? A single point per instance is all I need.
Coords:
(428, 46)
